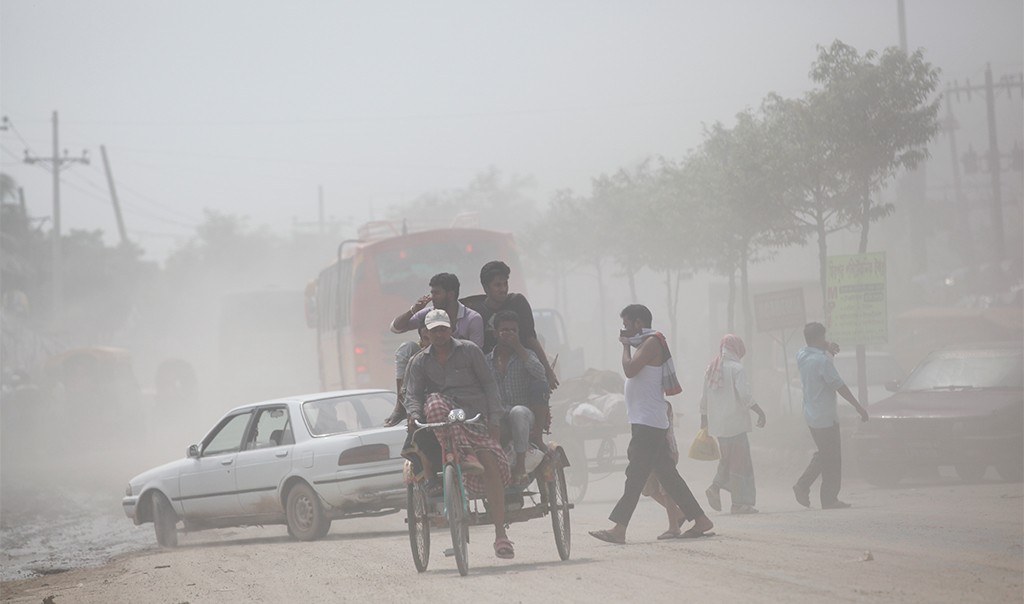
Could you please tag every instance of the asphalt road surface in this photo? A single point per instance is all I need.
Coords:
(934, 539)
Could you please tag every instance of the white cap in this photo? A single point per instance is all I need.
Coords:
(436, 318)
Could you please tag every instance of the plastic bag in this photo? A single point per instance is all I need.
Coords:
(704, 447)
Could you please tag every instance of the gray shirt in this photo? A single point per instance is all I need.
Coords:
(465, 378)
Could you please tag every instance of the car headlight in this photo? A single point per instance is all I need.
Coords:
(128, 490)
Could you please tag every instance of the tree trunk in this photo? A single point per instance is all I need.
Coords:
(823, 265)
(600, 312)
(730, 320)
(865, 219)
(862, 369)
(672, 294)
(631, 276)
(748, 319)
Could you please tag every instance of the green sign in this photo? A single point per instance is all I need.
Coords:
(855, 292)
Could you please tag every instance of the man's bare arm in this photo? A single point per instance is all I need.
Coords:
(648, 353)
(845, 393)
(400, 324)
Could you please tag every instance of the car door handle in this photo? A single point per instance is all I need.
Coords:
(227, 462)
(281, 453)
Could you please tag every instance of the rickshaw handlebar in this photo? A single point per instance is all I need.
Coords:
(472, 420)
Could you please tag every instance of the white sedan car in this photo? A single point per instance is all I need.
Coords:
(301, 461)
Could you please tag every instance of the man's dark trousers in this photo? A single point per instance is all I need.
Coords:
(648, 451)
(827, 462)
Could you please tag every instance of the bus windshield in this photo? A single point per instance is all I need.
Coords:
(406, 271)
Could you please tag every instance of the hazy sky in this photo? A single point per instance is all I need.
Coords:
(246, 107)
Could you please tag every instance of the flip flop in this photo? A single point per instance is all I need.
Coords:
(669, 535)
(605, 535)
(693, 533)
(714, 498)
(503, 549)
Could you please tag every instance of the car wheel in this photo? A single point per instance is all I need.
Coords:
(306, 518)
(165, 521)
(970, 472)
(881, 474)
(1011, 471)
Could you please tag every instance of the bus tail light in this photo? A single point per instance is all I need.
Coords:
(364, 454)
(361, 359)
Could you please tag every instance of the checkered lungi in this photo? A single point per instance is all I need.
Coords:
(468, 438)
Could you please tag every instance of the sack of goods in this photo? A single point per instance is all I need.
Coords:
(704, 447)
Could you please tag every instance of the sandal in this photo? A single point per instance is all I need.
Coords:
(503, 549)
(669, 534)
(608, 536)
(714, 498)
(694, 533)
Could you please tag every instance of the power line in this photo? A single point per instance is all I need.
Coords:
(166, 208)
(101, 197)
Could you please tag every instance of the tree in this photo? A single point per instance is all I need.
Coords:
(570, 235)
(620, 207)
(883, 119)
(741, 188)
(103, 283)
(844, 141)
(551, 245)
(225, 253)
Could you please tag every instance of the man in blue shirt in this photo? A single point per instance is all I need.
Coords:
(821, 382)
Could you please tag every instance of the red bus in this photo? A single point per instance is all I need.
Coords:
(377, 276)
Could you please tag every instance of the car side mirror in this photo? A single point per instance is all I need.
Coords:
(892, 385)
(193, 451)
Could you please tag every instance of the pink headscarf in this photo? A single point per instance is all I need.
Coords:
(730, 343)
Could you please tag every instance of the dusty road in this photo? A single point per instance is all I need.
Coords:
(931, 540)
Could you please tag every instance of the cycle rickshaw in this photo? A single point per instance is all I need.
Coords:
(457, 509)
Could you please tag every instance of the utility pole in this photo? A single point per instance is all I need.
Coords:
(949, 124)
(994, 157)
(57, 163)
(113, 196)
(902, 16)
(913, 186)
(320, 206)
(324, 225)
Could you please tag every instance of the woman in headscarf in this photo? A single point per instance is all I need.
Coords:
(725, 410)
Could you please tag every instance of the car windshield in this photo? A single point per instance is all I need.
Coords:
(968, 370)
(347, 413)
(881, 368)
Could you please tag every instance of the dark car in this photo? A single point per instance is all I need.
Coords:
(961, 407)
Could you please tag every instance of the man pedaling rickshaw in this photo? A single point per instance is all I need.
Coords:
(451, 373)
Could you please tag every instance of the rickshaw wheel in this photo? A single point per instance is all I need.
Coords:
(419, 526)
(578, 472)
(606, 453)
(458, 518)
(558, 499)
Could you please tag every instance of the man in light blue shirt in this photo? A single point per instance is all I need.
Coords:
(821, 382)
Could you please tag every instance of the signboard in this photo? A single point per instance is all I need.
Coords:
(775, 311)
(856, 299)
